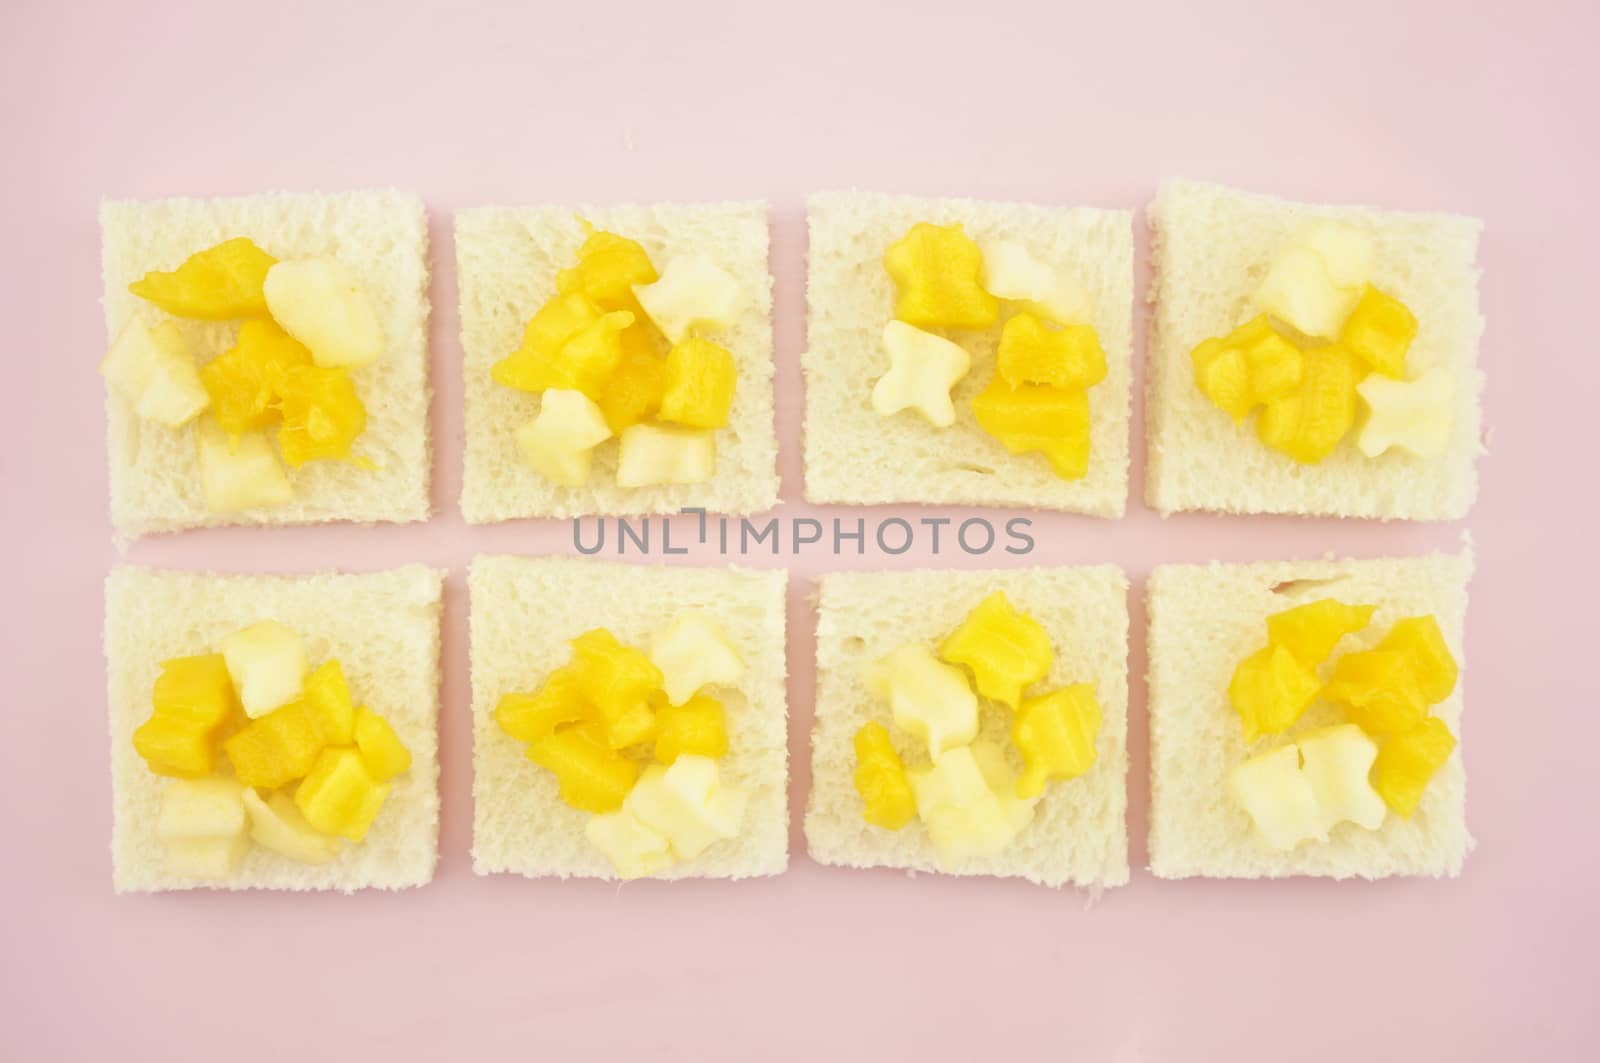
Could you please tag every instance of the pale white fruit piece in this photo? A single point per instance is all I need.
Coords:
(559, 443)
(321, 303)
(1010, 271)
(658, 454)
(1278, 797)
(692, 292)
(922, 370)
(635, 850)
(154, 369)
(694, 652)
(277, 825)
(929, 699)
(201, 808)
(1346, 251)
(1299, 292)
(267, 662)
(1416, 416)
(1336, 762)
(959, 803)
(242, 473)
(205, 858)
(687, 804)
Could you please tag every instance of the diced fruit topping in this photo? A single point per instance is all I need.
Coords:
(658, 454)
(608, 267)
(203, 828)
(687, 804)
(922, 370)
(1379, 331)
(936, 270)
(693, 292)
(635, 850)
(966, 814)
(221, 282)
(322, 415)
(880, 779)
(1269, 691)
(1308, 424)
(381, 749)
(1251, 365)
(583, 359)
(1011, 272)
(176, 747)
(275, 749)
(1038, 417)
(154, 369)
(267, 662)
(205, 858)
(1031, 352)
(930, 700)
(248, 381)
(1007, 650)
(1336, 762)
(528, 717)
(593, 778)
(698, 726)
(1431, 661)
(1056, 735)
(239, 473)
(1416, 416)
(1408, 761)
(1346, 251)
(635, 389)
(340, 796)
(618, 681)
(1380, 690)
(694, 652)
(1279, 798)
(327, 702)
(1311, 631)
(1314, 285)
(196, 690)
(699, 384)
(559, 443)
(277, 825)
(321, 303)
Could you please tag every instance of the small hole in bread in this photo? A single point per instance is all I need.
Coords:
(968, 466)
(1292, 587)
(855, 644)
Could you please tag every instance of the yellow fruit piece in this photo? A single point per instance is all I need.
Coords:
(593, 778)
(694, 652)
(929, 699)
(529, 717)
(322, 415)
(687, 804)
(699, 727)
(1408, 762)
(246, 382)
(1006, 649)
(1038, 417)
(381, 749)
(1432, 663)
(1311, 631)
(568, 344)
(174, 746)
(196, 690)
(922, 370)
(1251, 365)
(1066, 357)
(880, 779)
(1380, 689)
(1269, 691)
(936, 270)
(275, 749)
(239, 473)
(1056, 736)
(1309, 424)
(218, 283)
(635, 850)
(701, 377)
(1379, 331)
(1223, 375)
(340, 796)
(327, 702)
(608, 267)
(618, 681)
(633, 392)
(277, 825)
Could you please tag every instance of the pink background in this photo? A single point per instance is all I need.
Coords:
(1418, 106)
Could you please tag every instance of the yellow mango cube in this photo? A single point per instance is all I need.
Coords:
(381, 749)
(172, 745)
(1308, 424)
(593, 777)
(608, 267)
(618, 681)
(326, 698)
(1380, 689)
(1056, 735)
(701, 377)
(1066, 357)
(1251, 365)
(1032, 417)
(880, 779)
(1432, 663)
(340, 796)
(1379, 331)
(275, 749)
(322, 415)
(1311, 631)
(1269, 691)
(568, 344)
(699, 727)
(1222, 374)
(197, 690)
(633, 392)
(246, 382)
(937, 271)
(1006, 649)
(216, 284)
(529, 717)
(1408, 761)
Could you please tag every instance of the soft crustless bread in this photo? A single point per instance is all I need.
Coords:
(526, 611)
(1211, 248)
(384, 629)
(507, 259)
(1205, 619)
(383, 237)
(1078, 834)
(853, 454)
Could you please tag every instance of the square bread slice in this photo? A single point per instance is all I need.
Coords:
(1079, 834)
(855, 455)
(1211, 247)
(384, 629)
(507, 260)
(1205, 619)
(526, 611)
(383, 237)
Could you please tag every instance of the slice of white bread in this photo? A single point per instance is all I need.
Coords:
(1211, 247)
(526, 612)
(507, 259)
(1079, 832)
(1205, 619)
(855, 455)
(383, 237)
(384, 629)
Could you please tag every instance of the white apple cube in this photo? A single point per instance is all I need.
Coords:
(154, 369)
(242, 473)
(635, 850)
(559, 443)
(657, 454)
(1279, 798)
(929, 699)
(693, 652)
(321, 303)
(692, 292)
(1336, 761)
(277, 825)
(267, 663)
